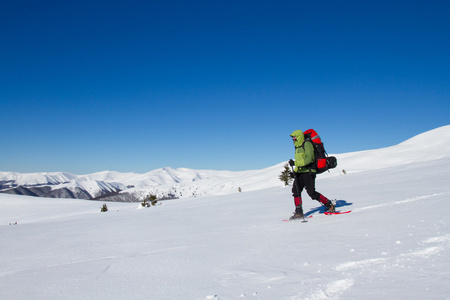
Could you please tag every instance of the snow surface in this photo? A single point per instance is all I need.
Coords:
(394, 245)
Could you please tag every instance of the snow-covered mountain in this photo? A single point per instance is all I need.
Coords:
(428, 146)
(395, 244)
(56, 185)
(186, 183)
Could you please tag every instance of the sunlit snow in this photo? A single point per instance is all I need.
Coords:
(395, 244)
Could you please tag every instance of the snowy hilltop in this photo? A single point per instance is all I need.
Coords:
(188, 183)
(130, 187)
(395, 243)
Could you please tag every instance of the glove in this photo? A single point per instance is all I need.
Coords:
(291, 162)
(291, 174)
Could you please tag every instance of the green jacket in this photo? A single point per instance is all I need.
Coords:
(304, 153)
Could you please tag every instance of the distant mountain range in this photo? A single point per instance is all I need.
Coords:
(168, 183)
(165, 183)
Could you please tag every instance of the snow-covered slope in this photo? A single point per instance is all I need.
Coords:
(395, 244)
(186, 183)
(428, 146)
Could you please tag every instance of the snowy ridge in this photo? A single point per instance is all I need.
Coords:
(179, 183)
(56, 184)
(188, 183)
(428, 146)
(37, 178)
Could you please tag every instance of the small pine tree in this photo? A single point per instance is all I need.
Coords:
(104, 208)
(145, 203)
(151, 200)
(239, 189)
(286, 175)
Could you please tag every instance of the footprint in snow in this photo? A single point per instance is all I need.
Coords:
(333, 290)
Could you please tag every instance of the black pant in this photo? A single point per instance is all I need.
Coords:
(305, 180)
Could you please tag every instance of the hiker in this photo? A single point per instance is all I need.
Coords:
(305, 174)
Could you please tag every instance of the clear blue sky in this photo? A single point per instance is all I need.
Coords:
(132, 86)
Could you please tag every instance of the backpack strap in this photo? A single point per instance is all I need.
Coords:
(311, 165)
(302, 145)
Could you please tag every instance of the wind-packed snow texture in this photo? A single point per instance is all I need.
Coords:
(395, 244)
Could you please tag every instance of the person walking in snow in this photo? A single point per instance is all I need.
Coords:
(305, 175)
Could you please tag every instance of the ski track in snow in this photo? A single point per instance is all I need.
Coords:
(358, 264)
(408, 200)
(335, 289)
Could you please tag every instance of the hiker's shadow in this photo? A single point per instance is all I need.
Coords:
(321, 209)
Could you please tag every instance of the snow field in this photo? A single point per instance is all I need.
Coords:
(394, 245)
